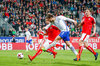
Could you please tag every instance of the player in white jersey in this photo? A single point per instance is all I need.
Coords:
(28, 38)
(59, 22)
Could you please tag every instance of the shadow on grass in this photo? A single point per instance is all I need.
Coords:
(54, 63)
(70, 64)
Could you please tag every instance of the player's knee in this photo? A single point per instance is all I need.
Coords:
(85, 45)
(56, 39)
(67, 43)
(80, 43)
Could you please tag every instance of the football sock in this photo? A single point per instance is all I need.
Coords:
(52, 48)
(38, 47)
(51, 51)
(73, 49)
(58, 45)
(37, 53)
(52, 44)
(91, 50)
(80, 51)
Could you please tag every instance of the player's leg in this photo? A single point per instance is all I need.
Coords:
(54, 42)
(37, 53)
(30, 43)
(84, 40)
(59, 45)
(45, 45)
(80, 47)
(40, 42)
(27, 45)
(91, 50)
(40, 51)
(66, 39)
(71, 47)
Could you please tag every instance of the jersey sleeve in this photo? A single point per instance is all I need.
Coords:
(29, 33)
(94, 21)
(67, 19)
(47, 26)
(54, 27)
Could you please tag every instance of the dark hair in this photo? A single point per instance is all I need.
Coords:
(88, 9)
(49, 15)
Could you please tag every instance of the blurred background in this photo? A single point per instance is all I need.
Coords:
(15, 15)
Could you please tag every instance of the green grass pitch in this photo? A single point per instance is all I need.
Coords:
(63, 58)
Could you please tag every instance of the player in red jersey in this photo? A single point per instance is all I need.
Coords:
(52, 33)
(87, 22)
(40, 37)
(51, 36)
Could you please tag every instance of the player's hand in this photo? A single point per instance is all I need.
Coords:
(92, 34)
(75, 22)
(78, 25)
(43, 28)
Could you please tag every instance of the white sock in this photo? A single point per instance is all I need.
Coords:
(73, 49)
(26, 47)
(52, 44)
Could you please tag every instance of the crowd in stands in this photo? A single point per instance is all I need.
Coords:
(32, 13)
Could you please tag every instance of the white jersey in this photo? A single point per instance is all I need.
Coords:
(28, 34)
(60, 23)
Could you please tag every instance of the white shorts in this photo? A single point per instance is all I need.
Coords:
(84, 37)
(46, 43)
(40, 41)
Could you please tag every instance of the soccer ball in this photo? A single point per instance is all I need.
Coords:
(20, 55)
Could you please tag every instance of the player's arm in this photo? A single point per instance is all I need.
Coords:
(45, 34)
(47, 26)
(40, 33)
(94, 30)
(79, 25)
(67, 19)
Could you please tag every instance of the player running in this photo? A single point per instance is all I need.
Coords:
(28, 38)
(40, 37)
(52, 33)
(51, 36)
(59, 22)
(87, 22)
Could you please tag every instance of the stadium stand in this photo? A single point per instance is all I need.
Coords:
(31, 13)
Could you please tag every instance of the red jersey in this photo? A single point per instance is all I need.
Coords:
(40, 34)
(87, 24)
(52, 32)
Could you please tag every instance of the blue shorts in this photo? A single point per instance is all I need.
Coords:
(64, 35)
(30, 41)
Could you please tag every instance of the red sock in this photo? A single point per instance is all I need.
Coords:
(52, 48)
(38, 47)
(49, 50)
(37, 53)
(58, 45)
(80, 51)
(91, 50)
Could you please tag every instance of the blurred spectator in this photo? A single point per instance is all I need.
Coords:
(13, 39)
(10, 32)
(32, 13)
(13, 32)
(3, 32)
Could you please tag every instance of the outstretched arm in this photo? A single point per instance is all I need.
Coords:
(81, 23)
(67, 19)
(47, 26)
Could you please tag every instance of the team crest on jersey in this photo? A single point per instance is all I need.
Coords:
(50, 27)
(89, 18)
